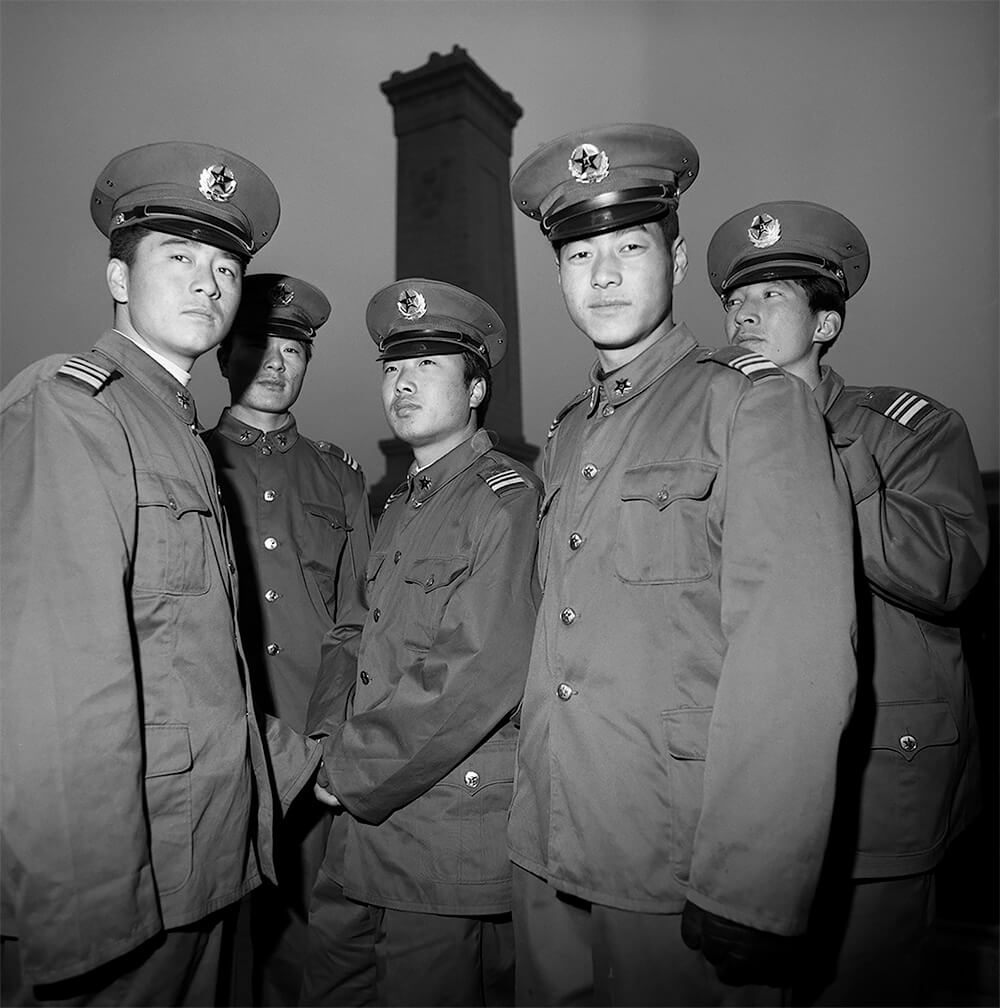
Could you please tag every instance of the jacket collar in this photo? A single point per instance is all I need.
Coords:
(424, 483)
(829, 388)
(627, 382)
(242, 434)
(160, 383)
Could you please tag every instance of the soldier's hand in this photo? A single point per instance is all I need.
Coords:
(321, 788)
(740, 954)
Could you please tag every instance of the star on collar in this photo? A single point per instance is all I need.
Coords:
(184, 400)
(246, 435)
(425, 482)
(622, 385)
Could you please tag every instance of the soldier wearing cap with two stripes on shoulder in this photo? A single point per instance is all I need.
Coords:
(137, 800)
(301, 526)
(692, 668)
(909, 781)
(412, 903)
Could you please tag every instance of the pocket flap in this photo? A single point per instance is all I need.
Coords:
(374, 565)
(663, 482)
(432, 573)
(331, 514)
(177, 495)
(906, 728)
(686, 731)
(491, 763)
(168, 749)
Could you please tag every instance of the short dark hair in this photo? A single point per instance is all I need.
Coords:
(473, 367)
(823, 294)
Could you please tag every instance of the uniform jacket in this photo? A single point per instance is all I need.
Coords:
(131, 754)
(425, 760)
(302, 530)
(921, 523)
(693, 665)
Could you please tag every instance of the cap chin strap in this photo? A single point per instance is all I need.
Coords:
(610, 211)
(790, 266)
(188, 224)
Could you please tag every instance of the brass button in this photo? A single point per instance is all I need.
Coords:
(269, 495)
(575, 541)
(376, 613)
(265, 450)
(471, 779)
(365, 677)
(272, 649)
(429, 583)
(271, 595)
(907, 743)
(270, 543)
(608, 410)
(662, 495)
(173, 503)
(567, 616)
(589, 471)
(396, 557)
(564, 691)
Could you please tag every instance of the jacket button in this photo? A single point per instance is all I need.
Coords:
(429, 583)
(608, 410)
(564, 691)
(271, 595)
(589, 471)
(907, 743)
(173, 503)
(575, 541)
(365, 677)
(272, 649)
(396, 556)
(662, 495)
(269, 495)
(568, 616)
(270, 543)
(471, 779)
(376, 613)
(264, 450)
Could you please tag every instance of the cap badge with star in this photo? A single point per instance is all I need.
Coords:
(787, 240)
(616, 176)
(415, 316)
(764, 231)
(411, 304)
(192, 190)
(588, 164)
(282, 294)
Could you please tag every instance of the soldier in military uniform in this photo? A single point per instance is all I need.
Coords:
(909, 781)
(423, 761)
(692, 668)
(136, 798)
(301, 529)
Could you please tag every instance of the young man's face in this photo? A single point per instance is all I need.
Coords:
(618, 288)
(179, 296)
(265, 373)
(429, 404)
(774, 320)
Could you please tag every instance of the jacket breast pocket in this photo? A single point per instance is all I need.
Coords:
(172, 540)
(431, 581)
(663, 523)
(320, 536)
(910, 778)
(467, 839)
(685, 733)
(168, 798)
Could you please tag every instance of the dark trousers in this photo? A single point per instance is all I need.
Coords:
(572, 952)
(361, 954)
(185, 966)
(869, 943)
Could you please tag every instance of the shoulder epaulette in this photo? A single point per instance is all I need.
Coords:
(85, 373)
(339, 453)
(561, 415)
(753, 365)
(503, 479)
(907, 408)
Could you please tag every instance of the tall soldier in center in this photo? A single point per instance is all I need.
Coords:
(415, 909)
(301, 530)
(692, 668)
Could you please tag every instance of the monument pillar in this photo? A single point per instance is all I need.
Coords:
(454, 217)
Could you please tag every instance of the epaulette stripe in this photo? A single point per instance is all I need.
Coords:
(592, 392)
(905, 411)
(498, 483)
(350, 460)
(754, 364)
(900, 400)
(82, 370)
(398, 492)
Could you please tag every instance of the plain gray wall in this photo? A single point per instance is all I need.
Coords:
(886, 111)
